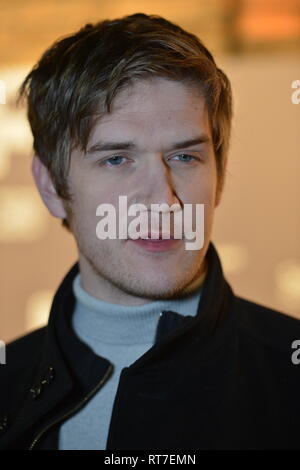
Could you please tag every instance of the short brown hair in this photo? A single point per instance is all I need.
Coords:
(83, 72)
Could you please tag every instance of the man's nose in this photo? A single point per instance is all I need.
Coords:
(158, 184)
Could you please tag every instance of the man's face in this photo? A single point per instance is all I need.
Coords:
(154, 116)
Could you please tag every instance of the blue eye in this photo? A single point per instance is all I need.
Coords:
(114, 161)
(186, 158)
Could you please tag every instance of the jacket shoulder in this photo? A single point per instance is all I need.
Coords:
(24, 349)
(272, 327)
(22, 355)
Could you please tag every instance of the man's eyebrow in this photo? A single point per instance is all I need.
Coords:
(131, 145)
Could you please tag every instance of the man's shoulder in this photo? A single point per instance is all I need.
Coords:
(16, 375)
(266, 325)
(23, 351)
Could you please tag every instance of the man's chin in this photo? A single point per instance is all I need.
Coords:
(154, 289)
(132, 280)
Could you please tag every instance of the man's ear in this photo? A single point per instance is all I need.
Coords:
(46, 189)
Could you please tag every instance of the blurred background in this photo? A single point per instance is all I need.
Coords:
(257, 226)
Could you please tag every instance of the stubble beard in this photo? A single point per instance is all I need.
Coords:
(135, 281)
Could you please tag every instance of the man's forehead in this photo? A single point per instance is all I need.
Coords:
(154, 114)
(131, 113)
(138, 126)
(164, 129)
(159, 112)
(147, 96)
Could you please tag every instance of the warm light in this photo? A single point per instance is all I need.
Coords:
(234, 257)
(15, 136)
(38, 308)
(22, 216)
(287, 280)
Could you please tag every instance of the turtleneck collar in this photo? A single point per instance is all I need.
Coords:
(106, 322)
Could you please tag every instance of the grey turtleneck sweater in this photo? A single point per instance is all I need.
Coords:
(120, 334)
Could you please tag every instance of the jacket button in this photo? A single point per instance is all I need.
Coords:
(37, 389)
(3, 423)
(49, 376)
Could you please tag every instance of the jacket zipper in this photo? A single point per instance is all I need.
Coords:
(76, 408)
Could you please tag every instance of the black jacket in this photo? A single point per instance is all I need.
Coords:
(223, 379)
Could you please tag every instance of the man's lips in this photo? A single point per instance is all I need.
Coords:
(161, 236)
(159, 244)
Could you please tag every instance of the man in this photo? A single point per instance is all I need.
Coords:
(147, 347)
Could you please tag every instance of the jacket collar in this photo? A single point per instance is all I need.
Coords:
(69, 368)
